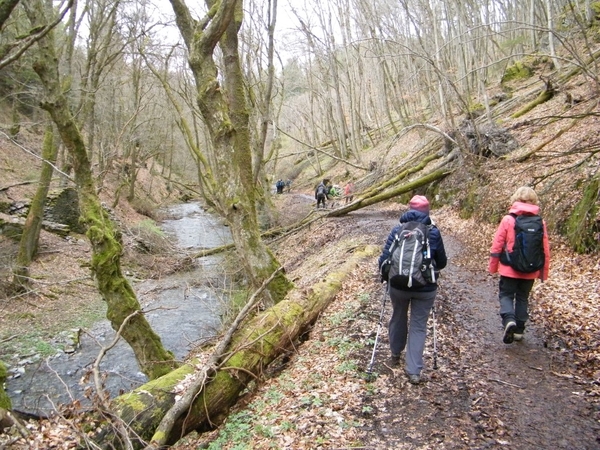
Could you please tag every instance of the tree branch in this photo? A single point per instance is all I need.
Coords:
(5, 414)
(120, 425)
(345, 161)
(23, 183)
(559, 133)
(35, 36)
(36, 156)
(163, 430)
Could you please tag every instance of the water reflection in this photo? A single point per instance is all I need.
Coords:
(183, 309)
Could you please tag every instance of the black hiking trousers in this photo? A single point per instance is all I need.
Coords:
(513, 295)
(321, 200)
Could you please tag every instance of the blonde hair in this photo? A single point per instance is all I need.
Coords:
(526, 195)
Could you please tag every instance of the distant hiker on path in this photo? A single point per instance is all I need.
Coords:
(334, 194)
(321, 193)
(349, 191)
(279, 185)
(420, 299)
(521, 253)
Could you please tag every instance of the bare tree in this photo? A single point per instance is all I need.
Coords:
(221, 98)
(6, 8)
(15, 48)
(33, 224)
(121, 301)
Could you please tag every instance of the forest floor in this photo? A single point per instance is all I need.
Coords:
(484, 394)
(534, 394)
(543, 392)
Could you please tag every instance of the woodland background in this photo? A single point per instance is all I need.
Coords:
(137, 105)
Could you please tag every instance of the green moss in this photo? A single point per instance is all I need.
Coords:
(476, 110)
(544, 96)
(582, 228)
(4, 398)
(518, 71)
(5, 401)
(279, 287)
(469, 202)
(139, 401)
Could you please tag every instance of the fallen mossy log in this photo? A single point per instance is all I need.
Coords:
(362, 202)
(260, 341)
(543, 97)
(370, 197)
(555, 136)
(218, 357)
(375, 190)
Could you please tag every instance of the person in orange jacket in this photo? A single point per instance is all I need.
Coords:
(515, 286)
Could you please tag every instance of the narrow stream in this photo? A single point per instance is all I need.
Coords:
(183, 309)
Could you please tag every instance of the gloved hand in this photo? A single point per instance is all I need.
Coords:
(385, 272)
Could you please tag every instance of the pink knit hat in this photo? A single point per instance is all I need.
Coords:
(419, 203)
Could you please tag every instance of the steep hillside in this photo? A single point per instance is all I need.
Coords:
(484, 395)
(553, 148)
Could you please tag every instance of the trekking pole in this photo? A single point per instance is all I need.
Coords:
(370, 369)
(435, 365)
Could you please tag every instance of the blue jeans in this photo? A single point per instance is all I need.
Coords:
(410, 335)
(513, 295)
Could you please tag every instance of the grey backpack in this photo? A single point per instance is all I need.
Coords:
(409, 264)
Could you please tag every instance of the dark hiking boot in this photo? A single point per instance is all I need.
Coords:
(413, 379)
(509, 332)
(395, 360)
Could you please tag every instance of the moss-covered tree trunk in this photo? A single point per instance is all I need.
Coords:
(253, 347)
(33, 224)
(5, 402)
(221, 97)
(543, 97)
(402, 189)
(153, 358)
(583, 226)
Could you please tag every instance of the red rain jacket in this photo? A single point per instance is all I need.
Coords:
(505, 235)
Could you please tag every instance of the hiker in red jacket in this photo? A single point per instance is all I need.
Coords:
(349, 192)
(515, 286)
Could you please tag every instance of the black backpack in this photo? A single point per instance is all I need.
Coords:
(409, 264)
(320, 190)
(528, 252)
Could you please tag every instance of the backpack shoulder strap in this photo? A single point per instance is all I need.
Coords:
(391, 250)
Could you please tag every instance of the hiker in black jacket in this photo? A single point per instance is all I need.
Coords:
(420, 299)
(321, 193)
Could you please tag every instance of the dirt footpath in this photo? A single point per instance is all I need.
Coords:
(484, 394)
